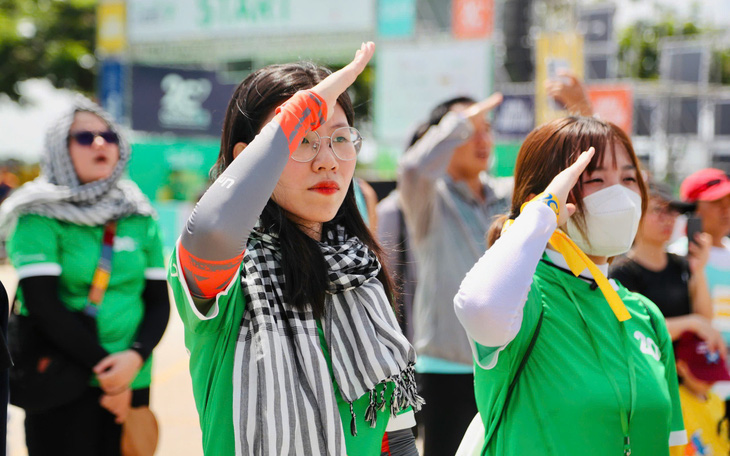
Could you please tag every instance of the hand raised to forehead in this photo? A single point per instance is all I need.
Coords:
(564, 182)
(476, 112)
(336, 83)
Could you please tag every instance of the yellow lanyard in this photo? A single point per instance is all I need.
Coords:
(577, 262)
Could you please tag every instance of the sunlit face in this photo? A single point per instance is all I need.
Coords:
(715, 216)
(659, 222)
(472, 157)
(619, 172)
(97, 160)
(312, 192)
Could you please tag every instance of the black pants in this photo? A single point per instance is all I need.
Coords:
(450, 407)
(81, 428)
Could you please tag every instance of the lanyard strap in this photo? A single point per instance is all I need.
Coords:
(625, 417)
(578, 261)
(103, 271)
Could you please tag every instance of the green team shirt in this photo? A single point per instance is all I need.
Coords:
(211, 340)
(563, 403)
(42, 246)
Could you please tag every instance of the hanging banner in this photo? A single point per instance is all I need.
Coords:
(515, 117)
(396, 18)
(111, 23)
(175, 170)
(472, 19)
(111, 88)
(614, 103)
(596, 21)
(187, 102)
(171, 20)
(722, 117)
(555, 52)
(411, 79)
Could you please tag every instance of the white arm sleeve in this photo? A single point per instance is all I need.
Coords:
(492, 296)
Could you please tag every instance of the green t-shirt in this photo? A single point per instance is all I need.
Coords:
(563, 403)
(42, 246)
(211, 340)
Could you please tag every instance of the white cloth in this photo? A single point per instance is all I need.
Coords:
(492, 296)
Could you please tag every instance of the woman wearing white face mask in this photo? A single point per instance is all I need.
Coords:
(567, 362)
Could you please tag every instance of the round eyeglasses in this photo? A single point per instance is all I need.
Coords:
(345, 143)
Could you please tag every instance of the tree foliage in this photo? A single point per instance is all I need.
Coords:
(639, 45)
(47, 38)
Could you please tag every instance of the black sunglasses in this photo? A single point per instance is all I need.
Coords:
(86, 138)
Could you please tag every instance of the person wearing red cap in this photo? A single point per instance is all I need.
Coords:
(703, 411)
(710, 189)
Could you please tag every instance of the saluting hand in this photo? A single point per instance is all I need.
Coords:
(476, 113)
(333, 85)
(564, 182)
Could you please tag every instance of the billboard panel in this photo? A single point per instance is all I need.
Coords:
(187, 102)
(555, 51)
(613, 103)
(396, 18)
(515, 117)
(685, 62)
(596, 23)
(722, 118)
(111, 88)
(171, 20)
(644, 113)
(111, 25)
(472, 19)
(172, 169)
(413, 78)
(682, 115)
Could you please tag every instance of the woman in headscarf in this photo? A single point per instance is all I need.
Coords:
(86, 247)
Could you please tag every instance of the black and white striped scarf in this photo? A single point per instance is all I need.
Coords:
(57, 192)
(284, 400)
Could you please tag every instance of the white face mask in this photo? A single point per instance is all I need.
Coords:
(612, 218)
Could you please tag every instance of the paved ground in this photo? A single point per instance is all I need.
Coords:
(172, 394)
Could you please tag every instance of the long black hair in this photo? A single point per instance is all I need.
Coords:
(304, 267)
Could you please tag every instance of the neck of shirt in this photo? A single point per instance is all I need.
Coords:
(558, 260)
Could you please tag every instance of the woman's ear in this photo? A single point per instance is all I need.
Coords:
(238, 148)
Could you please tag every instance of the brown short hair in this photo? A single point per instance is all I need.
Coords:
(552, 147)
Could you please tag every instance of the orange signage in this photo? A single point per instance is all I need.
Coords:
(614, 103)
(472, 18)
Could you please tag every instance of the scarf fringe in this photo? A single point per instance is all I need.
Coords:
(353, 423)
(371, 414)
(405, 394)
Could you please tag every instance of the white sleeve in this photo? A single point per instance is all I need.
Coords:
(492, 296)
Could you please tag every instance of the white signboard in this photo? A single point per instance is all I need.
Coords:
(411, 79)
(150, 21)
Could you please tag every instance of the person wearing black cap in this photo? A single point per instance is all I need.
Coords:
(699, 368)
(677, 285)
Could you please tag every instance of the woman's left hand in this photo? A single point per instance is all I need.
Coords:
(333, 85)
(699, 252)
(116, 371)
(118, 404)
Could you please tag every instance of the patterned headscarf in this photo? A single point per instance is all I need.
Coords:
(57, 192)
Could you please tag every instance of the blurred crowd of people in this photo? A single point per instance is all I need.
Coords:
(569, 315)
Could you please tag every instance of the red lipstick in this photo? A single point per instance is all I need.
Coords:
(327, 187)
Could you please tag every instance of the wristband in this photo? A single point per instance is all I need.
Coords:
(550, 201)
